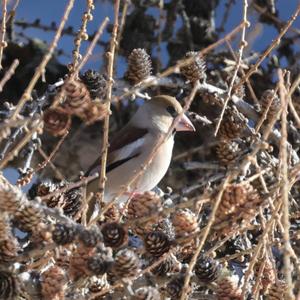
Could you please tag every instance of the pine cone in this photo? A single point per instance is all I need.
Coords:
(157, 243)
(45, 188)
(9, 249)
(77, 96)
(227, 152)
(185, 223)
(95, 111)
(169, 265)
(90, 237)
(96, 83)
(29, 216)
(11, 199)
(139, 66)
(187, 250)
(174, 287)
(112, 214)
(212, 98)
(277, 291)
(228, 289)
(233, 124)
(166, 226)
(72, 202)
(53, 282)
(5, 229)
(79, 262)
(56, 121)
(126, 264)
(142, 228)
(195, 70)
(97, 285)
(63, 234)
(99, 264)
(114, 235)
(206, 269)
(235, 198)
(146, 293)
(143, 205)
(9, 285)
(238, 207)
(62, 259)
(267, 277)
(270, 98)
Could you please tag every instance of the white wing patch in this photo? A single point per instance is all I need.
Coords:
(123, 153)
(128, 150)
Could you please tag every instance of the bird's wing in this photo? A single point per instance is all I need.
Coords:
(126, 144)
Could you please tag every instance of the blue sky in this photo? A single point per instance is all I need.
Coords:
(49, 11)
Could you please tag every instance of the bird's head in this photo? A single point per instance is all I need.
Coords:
(159, 114)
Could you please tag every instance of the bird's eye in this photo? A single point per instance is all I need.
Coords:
(172, 111)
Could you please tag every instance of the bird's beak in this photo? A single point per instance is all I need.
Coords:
(185, 124)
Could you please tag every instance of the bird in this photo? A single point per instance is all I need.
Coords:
(131, 147)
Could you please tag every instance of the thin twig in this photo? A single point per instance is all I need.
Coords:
(58, 174)
(41, 68)
(257, 285)
(293, 111)
(48, 159)
(198, 150)
(285, 189)
(294, 86)
(266, 110)
(122, 25)
(274, 44)
(276, 20)
(93, 44)
(110, 72)
(234, 256)
(243, 44)
(289, 95)
(3, 43)
(8, 74)
(243, 73)
(12, 12)
(81, 34)
(19, 146)
(68, 31)
(256, 252)
(185, 288)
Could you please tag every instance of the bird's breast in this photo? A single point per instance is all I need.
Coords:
(151, 176)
